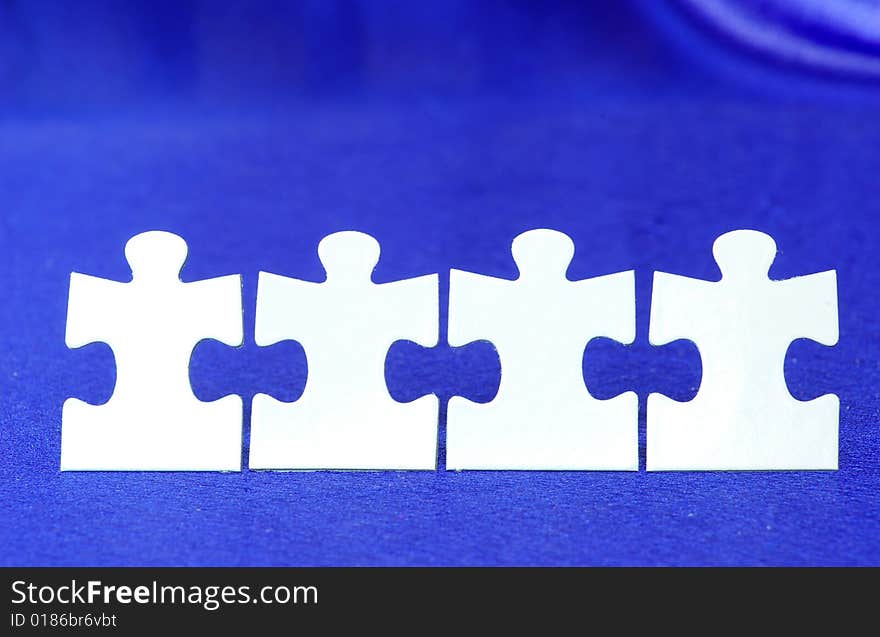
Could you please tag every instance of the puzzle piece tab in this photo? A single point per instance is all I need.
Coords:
(153, 421)
(346, 419)
(743, 416)
(543, 417)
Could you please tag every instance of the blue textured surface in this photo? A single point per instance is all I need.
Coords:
(639, 156)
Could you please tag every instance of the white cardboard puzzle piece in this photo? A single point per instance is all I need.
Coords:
(543, 417)
(345, 418)
(743, 416)
(153, 422)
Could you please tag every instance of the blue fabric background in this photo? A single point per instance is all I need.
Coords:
(444, 130)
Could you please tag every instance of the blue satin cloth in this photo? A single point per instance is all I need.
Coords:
(253, 129)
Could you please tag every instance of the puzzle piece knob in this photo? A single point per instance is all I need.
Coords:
(349, 256)
(744, 254)
(156, 255)
(543, 253)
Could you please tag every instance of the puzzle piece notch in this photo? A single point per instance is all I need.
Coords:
(346, 417)
(153, 421)
(542, 255)
(744, 255)
(349, 257)
(156, 256)
(543, 417)
(743, 416)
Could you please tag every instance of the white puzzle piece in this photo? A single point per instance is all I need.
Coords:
(543, 417)
(153, 421)
(346, 419)
(743, 416)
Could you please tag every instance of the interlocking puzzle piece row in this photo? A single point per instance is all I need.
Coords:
(543, 416)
